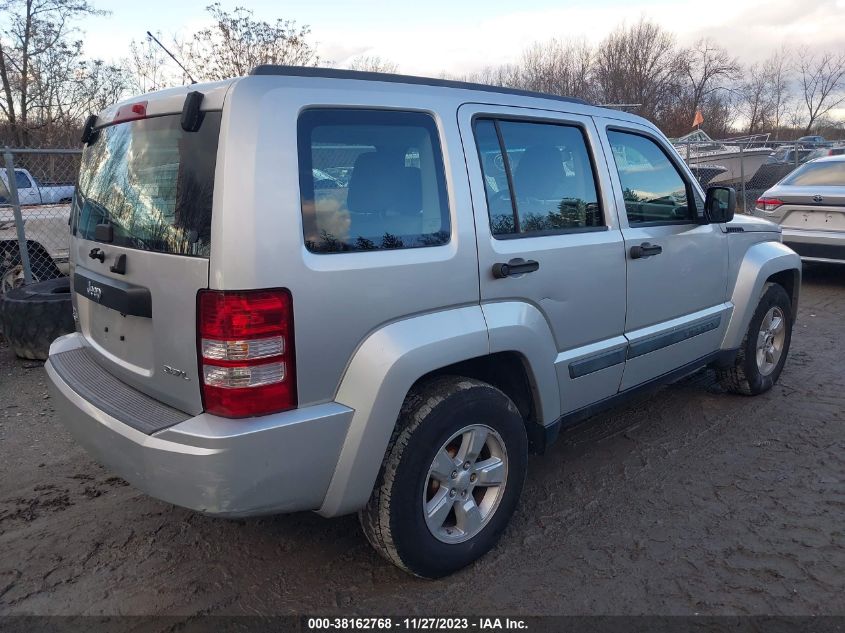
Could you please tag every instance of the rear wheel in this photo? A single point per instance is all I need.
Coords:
(451, 478)
(763, 352)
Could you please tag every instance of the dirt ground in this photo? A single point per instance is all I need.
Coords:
(690, 501)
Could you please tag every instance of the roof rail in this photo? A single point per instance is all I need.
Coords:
(336, 73)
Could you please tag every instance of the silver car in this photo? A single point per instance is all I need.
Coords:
(315, 289)
(809, 205)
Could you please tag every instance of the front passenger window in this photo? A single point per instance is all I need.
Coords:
(653, 189)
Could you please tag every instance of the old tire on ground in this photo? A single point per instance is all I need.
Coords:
(436, 506)
(32, 317)
(763, 352)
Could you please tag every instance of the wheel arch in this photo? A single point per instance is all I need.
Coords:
(511, 373)
(790, 280)
(392, 359)
(765, 262)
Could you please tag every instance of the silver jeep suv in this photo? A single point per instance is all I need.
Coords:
(347, 292)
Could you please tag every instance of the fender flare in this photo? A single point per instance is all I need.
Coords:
(385, 366)
(760, 262)
(518, 326)
(391, 359)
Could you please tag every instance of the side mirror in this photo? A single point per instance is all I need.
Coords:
(720, 204)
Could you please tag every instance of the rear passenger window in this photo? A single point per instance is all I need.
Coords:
(371, 180)
(652, 186)
(542, 183)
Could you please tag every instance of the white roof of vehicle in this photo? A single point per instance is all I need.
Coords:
(171, 100)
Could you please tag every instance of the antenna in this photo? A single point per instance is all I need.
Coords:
(185, 70)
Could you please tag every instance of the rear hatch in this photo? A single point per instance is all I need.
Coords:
(140, 248)
(819, 208)
(813, 196)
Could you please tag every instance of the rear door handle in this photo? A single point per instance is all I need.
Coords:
(516, 266)
(645, 249)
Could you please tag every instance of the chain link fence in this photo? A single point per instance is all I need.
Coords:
(750, 164)
(36, 190)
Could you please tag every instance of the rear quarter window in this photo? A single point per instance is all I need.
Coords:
(371, 180)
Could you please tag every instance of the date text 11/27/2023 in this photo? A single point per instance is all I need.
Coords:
(414, 624)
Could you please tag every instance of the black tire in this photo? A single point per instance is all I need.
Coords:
(393, 519)
(33, 316)
(744, 376)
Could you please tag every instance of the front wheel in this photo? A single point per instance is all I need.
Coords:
(451, 477)
(763, 352)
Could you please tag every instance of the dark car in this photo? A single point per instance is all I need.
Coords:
(786, 154)
(825, 151)
(813, 141)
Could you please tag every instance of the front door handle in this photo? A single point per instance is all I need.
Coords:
(516, 266)
(645, 249)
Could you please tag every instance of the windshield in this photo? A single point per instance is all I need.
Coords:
(153, 182)
(825, 173)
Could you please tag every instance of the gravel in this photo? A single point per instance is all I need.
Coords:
(690, 501)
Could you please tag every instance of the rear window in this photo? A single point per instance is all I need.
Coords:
(371, 180)
(826, 173)
(153, 182)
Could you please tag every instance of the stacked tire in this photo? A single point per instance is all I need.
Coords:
(32, 317)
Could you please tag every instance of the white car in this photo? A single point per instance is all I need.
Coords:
(809, 205)
(31, 191)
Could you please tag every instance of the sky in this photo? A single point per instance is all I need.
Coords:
(463, 36)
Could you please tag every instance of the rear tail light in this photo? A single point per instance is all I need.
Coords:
(246, 352)
(768, 204)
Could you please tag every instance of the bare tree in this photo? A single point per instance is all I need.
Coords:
(64, 88)
(508, 75)
(149, 68)
(237, 42)
(707, 68)
(30, 31)
(98, 85)
(822, 82)
(778, 67)
(764, 93)
(638, 64)
(373, 64)
(557, 67)
(756, 100)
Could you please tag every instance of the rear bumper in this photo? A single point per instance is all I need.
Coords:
(267, 465)
(821, 246)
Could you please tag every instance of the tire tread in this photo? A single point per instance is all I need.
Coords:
(418, 404)
(33, 316)
(735, 378)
